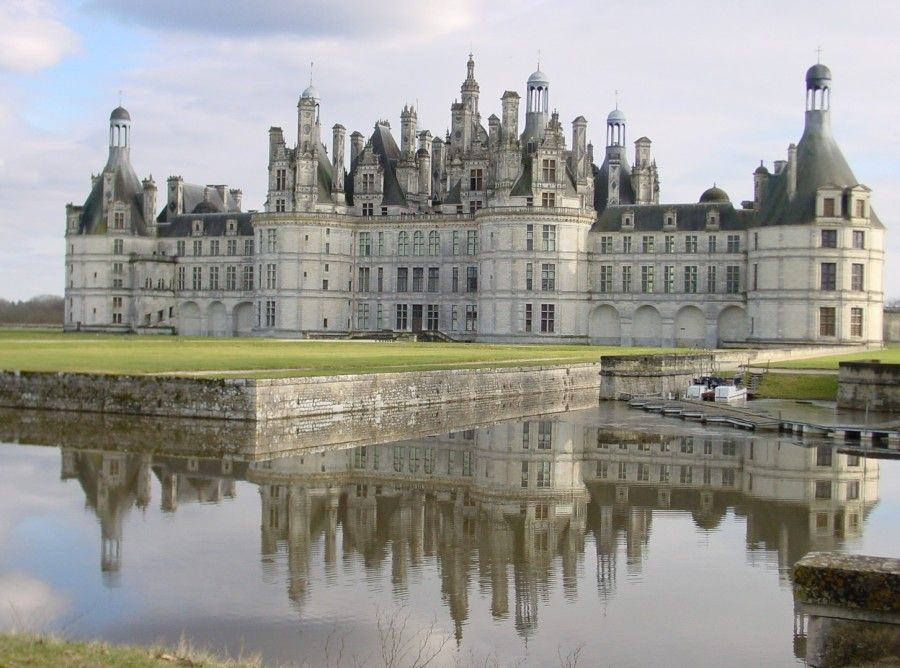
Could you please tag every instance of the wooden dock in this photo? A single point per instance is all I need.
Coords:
(865, 438)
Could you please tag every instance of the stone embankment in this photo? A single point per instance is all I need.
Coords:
(269, 399)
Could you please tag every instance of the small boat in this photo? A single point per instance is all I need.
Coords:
(728, 393)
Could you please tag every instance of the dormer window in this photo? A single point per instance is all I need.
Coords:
(860, 211)
(828, 207)
(712, 219)
(670, 220)
(628, 219)
(197, 228)
(231, 228)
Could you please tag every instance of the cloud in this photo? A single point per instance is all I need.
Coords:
(33, 38)
(28, 604)
(311, 18)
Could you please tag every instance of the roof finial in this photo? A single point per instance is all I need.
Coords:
(539, 60)
(818, 55)
(311, 63)
(120, 98)
(617, 98)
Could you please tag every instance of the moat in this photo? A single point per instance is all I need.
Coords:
(630, 538)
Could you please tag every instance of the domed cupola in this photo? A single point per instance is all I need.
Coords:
(120, 114)
(714, 195)
(537, 105)
(311, 92)
(615, 128)
(818, 88)
(119, 129)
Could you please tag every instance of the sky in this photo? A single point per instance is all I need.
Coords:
(718, 86)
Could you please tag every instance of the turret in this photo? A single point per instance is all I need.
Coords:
(408, 130)
(423, 158)
(470, 89)
(175, 195)
(237, 198)
(493, 131)
(760, 185)
(149, 208)
(357, 142)
(537, 105)
(510, 121)
(276, 140)
(338, 139)
(580, 168)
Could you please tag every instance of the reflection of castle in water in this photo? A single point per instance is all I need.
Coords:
(507, 507)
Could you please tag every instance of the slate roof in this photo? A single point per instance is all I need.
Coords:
(690, 217)
(601, 184)
(381, 143)
(214, 224)
(819, 163)
(199, 199)
(522, 187)
(127, 188)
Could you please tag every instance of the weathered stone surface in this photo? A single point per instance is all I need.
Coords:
(626, 376)
(854, 582)
(869, 385)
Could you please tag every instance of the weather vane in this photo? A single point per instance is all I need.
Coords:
(819, 55)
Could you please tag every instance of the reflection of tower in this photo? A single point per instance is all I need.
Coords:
(606, 554)
(299, 541)
(637, 533)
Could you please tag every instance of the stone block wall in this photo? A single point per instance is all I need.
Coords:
(628, 376)
(869, 385)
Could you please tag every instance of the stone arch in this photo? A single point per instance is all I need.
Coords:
(604, 326)
(646, 327)
(690, 327)
(217, 319)
(732, 325)
(242, 317)
(190, 321)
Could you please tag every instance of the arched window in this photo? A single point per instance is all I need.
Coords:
(418, 243)
(434, 243)
(403, 243)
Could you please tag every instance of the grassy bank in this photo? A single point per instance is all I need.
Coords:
(98, 353)
(798, 386)
(20, 651)
(888, 355)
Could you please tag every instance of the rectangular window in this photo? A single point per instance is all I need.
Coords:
(626, 279)
(471, 242)
(827, 321)
(180, 281)
(856, 321)
(647, 243)
(860, 208)
(548, 318)
(474, 205)
(524, 476)
(545, 435)
(454, 318)
(402, 316)
(214, 247)
(247, 278)
(543, 475)
(271, 276)
(325, 284)
(606, 278)
(434, 243)
(271, 241)
(670, 243)
(198, 247)
(828, 276)
(606, 244)
(711, 243)
(476, 179)
(669, 279)
(231, 246)
(368, 183)
(471, 318)
(179, 248)
(829, 238)
(529, 237)
(548, 277)
(213, 278)
(403, 243)
(432, 319)
(118, 246)
(828, 207)
(433, 279)
(197, 278)
(711, 279)
(231, 278)
(647, 278)
(529, 276)
(853, 490)
(529, 316)
(471, 279)
(548, 238)
(119, 220)
(454, 280)
(455, 242)
(402, 279)
(755, 276)
(270, 313)
(690, 279)
(732, 279)
(248, 246)
(859, 239)
(690, 243)
(823, 489)
(365, 244)
(548, 171)
(362, 316)
(824, 455)
(363, 283)
(368, 209)
(379, 316)
(733, 242)
(626, 243)
(418, 281)
(857, 277)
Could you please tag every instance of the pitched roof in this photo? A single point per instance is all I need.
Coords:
(601, 184)
(690, 217)
(127, 188)
(214, 224)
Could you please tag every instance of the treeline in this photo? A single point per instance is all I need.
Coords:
(40, 310)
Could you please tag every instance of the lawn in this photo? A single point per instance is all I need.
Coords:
(798, 386)
(45, 350)
(888, 355)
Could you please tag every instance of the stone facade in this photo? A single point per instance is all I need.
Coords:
(489, 233)
(869, 386)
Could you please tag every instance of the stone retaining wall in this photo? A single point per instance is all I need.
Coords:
(628, 376)
(268, 399)
(869, 385)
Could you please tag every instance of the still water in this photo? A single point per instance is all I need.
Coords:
(632, 539)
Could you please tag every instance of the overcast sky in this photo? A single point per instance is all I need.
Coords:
(718, 86)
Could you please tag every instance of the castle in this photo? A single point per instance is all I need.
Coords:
(489, 234)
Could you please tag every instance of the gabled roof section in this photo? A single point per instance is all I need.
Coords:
(690, 217)
(214, 224)
(386, 148)
(522, 187)
(127, 188)
(454, 196)
(601, 184)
